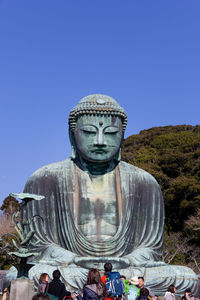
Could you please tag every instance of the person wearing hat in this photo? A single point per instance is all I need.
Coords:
(131, 289)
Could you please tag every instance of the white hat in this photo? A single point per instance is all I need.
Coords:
(134, 280)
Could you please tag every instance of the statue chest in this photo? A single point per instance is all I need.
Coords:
(97, 207)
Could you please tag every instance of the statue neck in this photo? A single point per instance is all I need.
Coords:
(95, 168)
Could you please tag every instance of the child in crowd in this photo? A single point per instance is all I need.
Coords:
(43, 283)
(144, 294)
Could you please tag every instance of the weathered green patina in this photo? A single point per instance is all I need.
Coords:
(98, 208)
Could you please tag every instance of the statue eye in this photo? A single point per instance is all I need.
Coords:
(111, 130)
(88, 129)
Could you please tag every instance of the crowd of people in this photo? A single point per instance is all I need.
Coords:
(111, 286)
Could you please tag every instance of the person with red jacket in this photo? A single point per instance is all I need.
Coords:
(113, 282)
(107, 268)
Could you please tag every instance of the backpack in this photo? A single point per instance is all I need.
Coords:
(114, 285)
(132, 293)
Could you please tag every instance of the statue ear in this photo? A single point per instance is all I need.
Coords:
(71, 138)
(118, 156)
(122, 141)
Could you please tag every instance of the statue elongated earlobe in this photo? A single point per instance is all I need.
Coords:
(118, 158)
(73, 155)
(71, 138)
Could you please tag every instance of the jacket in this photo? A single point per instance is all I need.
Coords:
(103, 279)
(57, 288)
(127, 287)
(42, 287)
(91, 292)
(169, 296)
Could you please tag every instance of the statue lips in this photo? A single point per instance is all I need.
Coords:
(102, 148)
(99, 151)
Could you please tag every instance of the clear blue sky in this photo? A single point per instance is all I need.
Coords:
(144, 53)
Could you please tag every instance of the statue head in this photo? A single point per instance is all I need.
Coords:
(96, 128)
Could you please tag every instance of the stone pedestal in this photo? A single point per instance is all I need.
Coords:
(22, 289)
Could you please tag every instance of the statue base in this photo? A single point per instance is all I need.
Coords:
(22, 289)
(157, 278)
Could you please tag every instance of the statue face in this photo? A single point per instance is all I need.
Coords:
(98, 138)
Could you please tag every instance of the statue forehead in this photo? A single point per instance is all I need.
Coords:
(97, 105)
(99, 120)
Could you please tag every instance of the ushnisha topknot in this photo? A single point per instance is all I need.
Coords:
(97, 105)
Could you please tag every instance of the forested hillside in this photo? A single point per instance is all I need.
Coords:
(172, 155)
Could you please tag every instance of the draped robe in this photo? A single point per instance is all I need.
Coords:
(141, 224)
(139, 236)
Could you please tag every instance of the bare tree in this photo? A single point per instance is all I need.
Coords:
(179, 249)
(194, 221)
(6, 225)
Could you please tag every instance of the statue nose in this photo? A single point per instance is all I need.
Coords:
(100, 138)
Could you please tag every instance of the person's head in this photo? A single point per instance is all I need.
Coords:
(108, 267)
(188, 292)
(123, 277)
(56, 274)
(140, 282)
(171, 289)
(144, 292)
(96, 128)
(156, 297)
(93, 277)
(134, 280)
(44, 277)
(40, 297)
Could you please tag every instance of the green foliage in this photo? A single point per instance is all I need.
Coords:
(172, 155)
(6, 261)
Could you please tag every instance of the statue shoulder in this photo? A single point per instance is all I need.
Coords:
(53, 169)
(137, 173)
